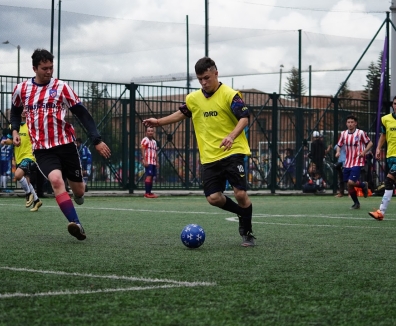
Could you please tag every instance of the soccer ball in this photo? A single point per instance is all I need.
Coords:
(193, 236)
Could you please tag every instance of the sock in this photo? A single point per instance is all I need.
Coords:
(247, 218)
(4, 181)
(148, 186)
(232, 206)
(33, 192)
(24, 185)
(353, 194)
(67, 207)
(386, 200)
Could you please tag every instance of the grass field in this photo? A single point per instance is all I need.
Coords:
(316, 262)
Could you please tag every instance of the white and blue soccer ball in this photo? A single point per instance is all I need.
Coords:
(193, 236)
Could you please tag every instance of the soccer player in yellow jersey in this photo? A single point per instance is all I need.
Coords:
(388, 135)
(219, 116)
(26, 164)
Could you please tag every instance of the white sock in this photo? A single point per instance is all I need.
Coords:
(33, 192)
(386, 200)
(4, 181)
(24, 185)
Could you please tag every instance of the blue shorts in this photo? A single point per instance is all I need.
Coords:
(352, 173)
(151, 170)
(4, 167)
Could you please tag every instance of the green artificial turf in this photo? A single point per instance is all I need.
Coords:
(316, 262)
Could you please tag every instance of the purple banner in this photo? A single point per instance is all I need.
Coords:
(381, 90)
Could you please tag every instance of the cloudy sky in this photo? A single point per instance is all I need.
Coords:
(120, 41)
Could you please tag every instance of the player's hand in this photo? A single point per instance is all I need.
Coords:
(227, 143)
(151, 122)
(103, 150)
(378, 154)
(16, 139)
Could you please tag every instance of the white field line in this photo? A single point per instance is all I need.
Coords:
(209, 213)
(235, 219)
(172, 283)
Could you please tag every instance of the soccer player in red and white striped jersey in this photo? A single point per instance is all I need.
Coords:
(149, 157)
(357, 144)
(45, 101)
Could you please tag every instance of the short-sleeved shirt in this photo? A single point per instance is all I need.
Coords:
(150, 152)
(46, 106)
(354, 143)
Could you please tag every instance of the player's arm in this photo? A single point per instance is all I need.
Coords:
(88, 122)
(241, 112)
(16, 119)
(143, 150)
(6, 141)
(169, 119)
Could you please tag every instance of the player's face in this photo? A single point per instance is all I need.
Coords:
(208, 80)
(150, 133)
(44, 72)
(351, 124)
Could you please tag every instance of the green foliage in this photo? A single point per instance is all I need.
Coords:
(292, 84)
(373, 80)
(345, 92)
(316, 263)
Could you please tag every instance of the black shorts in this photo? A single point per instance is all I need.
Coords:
(27, 166)
(216, 174)
(64, 158)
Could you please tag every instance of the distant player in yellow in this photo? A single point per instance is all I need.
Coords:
(219, 116)
(26, 164)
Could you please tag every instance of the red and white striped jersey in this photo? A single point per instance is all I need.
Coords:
(150, 152)
(354, 143)
(46, 107)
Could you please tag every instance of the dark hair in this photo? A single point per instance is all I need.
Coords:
(79, 140)
(351, 116)
(203, 65)
(41, 55)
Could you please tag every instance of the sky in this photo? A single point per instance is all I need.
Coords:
(255, 43)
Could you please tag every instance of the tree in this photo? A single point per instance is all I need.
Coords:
(292, 84)
(373, 80)
(345, 92)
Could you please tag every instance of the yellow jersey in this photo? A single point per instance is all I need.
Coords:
(213, 120)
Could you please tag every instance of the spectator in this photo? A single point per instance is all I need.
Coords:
(318, 152)
(5, 161)
(86, 161)
(339, 169)
(289, 165)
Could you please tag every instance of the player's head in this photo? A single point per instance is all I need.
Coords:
(150, 132)
(351, 122)
(43, 65)
(207, 74)
(78, 141)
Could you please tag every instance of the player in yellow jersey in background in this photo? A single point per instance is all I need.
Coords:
(388, 135)
(26, 164)
(219, 116)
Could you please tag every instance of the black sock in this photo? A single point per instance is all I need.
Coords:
(247, 219)
(232, 206)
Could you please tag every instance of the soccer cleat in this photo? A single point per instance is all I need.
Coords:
(248, 240)
(355, 206)
(79, 200)
(29, 199)
(377, 215)
(36, 205)
(365, 190)
(76, 230)
(150, 195)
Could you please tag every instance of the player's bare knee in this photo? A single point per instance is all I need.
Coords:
(215, 200)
